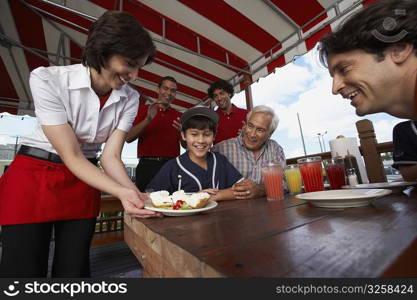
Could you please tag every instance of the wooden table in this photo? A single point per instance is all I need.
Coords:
(289, 238)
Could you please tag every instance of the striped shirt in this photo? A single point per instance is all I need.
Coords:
(244, 159)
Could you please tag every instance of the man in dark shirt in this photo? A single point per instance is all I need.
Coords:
(157, 129)
(231, 117)
(405, 149)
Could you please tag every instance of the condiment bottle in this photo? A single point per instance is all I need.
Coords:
(352, 178)
(351, 163)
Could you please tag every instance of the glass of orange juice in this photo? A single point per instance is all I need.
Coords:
(293, 177)
(311, 172)
(272, 174)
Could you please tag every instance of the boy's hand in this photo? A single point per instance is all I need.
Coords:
(210, 191)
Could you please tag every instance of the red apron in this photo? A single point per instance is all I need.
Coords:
(35, 191)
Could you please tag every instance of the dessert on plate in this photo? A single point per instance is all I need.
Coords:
(179, 200)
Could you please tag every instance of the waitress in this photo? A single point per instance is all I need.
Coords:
(53, 184)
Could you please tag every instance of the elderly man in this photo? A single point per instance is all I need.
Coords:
(372, 58)
(231, 117)
(251, 149)
(157, 129)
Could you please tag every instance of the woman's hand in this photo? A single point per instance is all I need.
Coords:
(133, 202)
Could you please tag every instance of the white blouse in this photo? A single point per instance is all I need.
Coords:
(64, 95)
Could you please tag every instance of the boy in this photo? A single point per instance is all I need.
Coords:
(198, 169)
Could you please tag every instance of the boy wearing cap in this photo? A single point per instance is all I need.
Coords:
(198, 168)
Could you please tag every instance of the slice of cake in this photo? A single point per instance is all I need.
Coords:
(179, 195)
(161, 199)
(198, 200)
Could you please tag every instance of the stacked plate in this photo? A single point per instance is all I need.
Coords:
(395, 186)
(343, 198)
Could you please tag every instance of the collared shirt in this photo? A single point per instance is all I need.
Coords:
(63, 95)
(244, 159)
(159, 138)
(220, 174)
(229, 124)
(405, 144)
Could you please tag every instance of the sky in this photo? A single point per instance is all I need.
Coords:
(302, 87)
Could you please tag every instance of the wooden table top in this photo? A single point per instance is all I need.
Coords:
(288, 238)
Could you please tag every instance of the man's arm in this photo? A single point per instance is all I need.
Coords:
(136, 130)
(409, 173)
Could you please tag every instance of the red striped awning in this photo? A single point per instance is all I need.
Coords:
(198, 41)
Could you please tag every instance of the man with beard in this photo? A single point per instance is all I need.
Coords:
(231, 117)
(252, 148)
(157, 129)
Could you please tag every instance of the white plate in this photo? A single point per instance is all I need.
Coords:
(395, 186)
(343, 198)
(182, 213)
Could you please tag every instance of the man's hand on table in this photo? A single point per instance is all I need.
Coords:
(247, 189)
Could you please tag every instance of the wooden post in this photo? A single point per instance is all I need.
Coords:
(373, 162)
(248, 92)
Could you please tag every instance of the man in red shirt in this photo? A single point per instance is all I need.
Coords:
(231, 117)
(157, 129)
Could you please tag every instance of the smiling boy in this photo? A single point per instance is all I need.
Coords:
(199, 168)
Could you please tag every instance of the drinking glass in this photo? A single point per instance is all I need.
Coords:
(335, 170)
(293, 177)
(311, 172)
(272, 174)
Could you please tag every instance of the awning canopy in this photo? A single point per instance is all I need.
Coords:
(198, 41)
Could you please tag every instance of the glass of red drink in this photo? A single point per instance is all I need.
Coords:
(272, 174)
(311, 172)
(335, 170)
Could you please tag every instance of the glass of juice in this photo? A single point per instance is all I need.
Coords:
(310, 168)
(293, 177)
(335, 170)
(272, 174)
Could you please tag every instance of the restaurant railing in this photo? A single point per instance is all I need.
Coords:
(110, 224)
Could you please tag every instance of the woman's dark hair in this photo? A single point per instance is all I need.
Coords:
(220, 84)
(116, 32)
(373, 29)
(199, 122)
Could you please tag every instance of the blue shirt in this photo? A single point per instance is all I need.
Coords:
(220, 174)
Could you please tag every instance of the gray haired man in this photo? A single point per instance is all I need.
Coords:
(251, 149)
